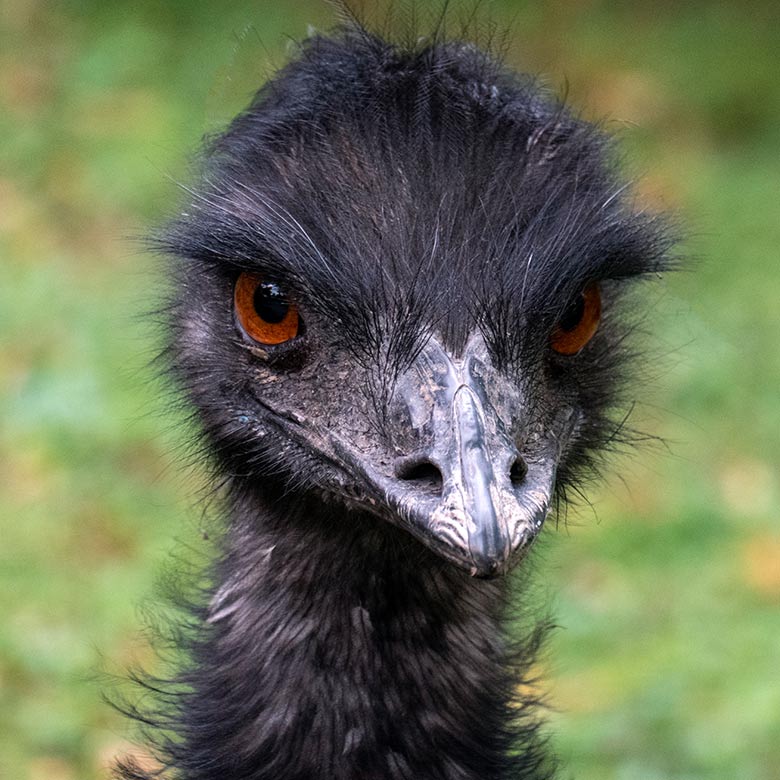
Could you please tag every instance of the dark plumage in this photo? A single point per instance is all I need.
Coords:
(433, 220)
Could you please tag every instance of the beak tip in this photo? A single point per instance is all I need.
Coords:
(487, 564)
(485, 567)
(485, 573)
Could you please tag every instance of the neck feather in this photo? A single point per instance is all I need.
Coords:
(336, 647)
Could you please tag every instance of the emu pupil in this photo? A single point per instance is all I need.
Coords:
(270, 302)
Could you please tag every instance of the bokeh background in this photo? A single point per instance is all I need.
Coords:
(667, 590)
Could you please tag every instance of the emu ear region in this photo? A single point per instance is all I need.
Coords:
(466, 492)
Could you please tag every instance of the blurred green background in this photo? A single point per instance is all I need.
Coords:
(667, 664)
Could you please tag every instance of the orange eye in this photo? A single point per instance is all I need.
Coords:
(579, 322)
(264, 311)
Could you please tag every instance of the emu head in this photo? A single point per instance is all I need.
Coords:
(400, 289)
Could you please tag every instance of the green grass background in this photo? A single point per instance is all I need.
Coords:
(667, 664)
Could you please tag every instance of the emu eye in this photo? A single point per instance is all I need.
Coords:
(263, 311)
(578, 323)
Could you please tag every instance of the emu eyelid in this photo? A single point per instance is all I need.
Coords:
(571, 338)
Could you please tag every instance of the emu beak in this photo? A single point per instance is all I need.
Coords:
(490, 502)
(466, 493)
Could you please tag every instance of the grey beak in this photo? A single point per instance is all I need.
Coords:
(489, 502)
(489, 542)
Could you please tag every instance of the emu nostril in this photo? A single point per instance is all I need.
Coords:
(518, 471)
(422, 473)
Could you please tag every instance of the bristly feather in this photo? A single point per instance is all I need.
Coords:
(409, 178)
(290, 690)
(381, 182)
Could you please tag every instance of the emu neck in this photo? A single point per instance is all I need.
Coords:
(341, 649)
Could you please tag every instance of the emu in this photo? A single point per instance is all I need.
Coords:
(399, 308)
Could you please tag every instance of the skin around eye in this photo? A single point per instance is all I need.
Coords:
(579, 322)
(263, 311)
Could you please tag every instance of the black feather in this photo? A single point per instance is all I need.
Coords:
(397, 193)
